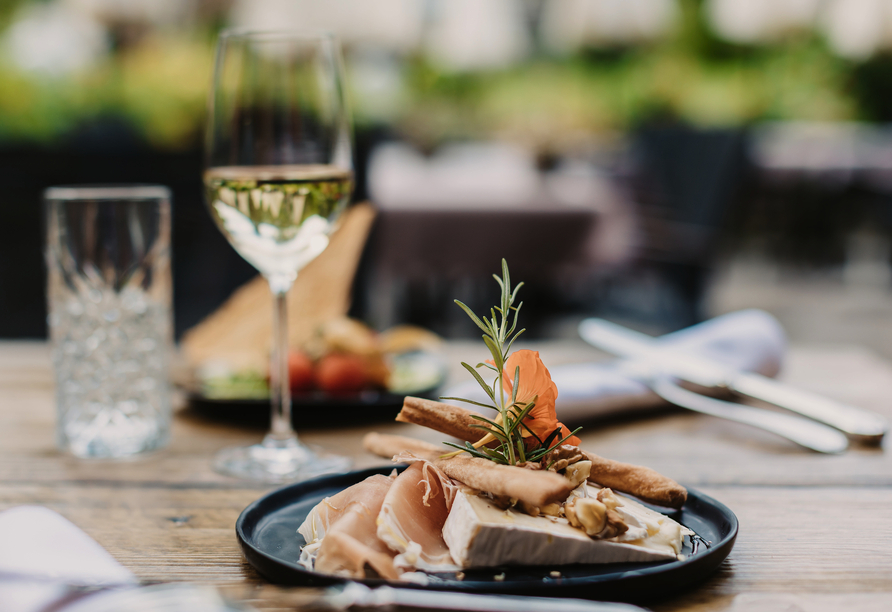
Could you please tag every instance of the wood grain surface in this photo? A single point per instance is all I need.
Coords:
(815, 530)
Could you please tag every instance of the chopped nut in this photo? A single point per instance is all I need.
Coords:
(554, 574)
(615, 525)
(553, 509)
(561, 457)
(528, 508)
(577, 473)
(531, 465)
(588, 514)
(459, 575)
(608, 498)
(502, 502)
(499, 577)
(597, 518)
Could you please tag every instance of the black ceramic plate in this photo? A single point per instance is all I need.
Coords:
(267, 532)
(318, 409)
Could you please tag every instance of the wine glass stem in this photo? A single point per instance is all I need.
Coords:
(280, 386)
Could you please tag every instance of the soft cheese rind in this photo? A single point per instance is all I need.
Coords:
(481, 535)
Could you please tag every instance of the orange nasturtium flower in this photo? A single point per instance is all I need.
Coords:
(535, 381)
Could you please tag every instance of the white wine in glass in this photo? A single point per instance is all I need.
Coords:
(279, 176)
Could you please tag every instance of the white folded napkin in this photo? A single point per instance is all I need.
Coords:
(747, 340)
(41, 552)
(45, 561)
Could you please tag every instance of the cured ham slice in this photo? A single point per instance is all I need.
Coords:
(412, 516)
(351, 547)
(367, 495)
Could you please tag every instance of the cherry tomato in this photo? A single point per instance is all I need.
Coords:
(339, 373)
(300, 372)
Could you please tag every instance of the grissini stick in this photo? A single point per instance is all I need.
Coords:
(449, 419)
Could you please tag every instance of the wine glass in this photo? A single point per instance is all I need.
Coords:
(279, 176)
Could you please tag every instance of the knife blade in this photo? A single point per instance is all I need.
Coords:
(855, 422)
(804, 432)
(355, 595)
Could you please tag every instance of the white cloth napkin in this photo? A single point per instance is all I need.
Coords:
(747, 340)
(41, 552)
(44, 558)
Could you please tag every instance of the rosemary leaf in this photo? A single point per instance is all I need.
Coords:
(494, 455)
(496, 352)
(514, 293)
(516, 385)
(474, 317)
(513, 339)
(516, 310)
(478, 417)
(564, 439)
(469, 401)
(496, 433)
(480, 380)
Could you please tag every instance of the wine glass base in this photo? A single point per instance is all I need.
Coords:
(277, 461)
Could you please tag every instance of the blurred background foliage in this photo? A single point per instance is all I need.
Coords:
(720, 142)
(153, 73)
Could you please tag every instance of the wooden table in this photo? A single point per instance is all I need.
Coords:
(815, 531)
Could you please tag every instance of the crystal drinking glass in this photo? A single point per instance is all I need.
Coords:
(279, 176)
(109, 290)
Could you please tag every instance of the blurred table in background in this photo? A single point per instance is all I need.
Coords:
(814, 530)
(446, 220)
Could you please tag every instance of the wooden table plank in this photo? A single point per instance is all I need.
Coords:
(811, 525)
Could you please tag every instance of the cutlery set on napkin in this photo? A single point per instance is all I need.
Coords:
(737, 354)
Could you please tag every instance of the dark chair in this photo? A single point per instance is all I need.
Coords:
(687, 182)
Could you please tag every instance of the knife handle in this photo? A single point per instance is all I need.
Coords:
(473, 602)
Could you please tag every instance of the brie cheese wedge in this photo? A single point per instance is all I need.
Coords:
(479, 534)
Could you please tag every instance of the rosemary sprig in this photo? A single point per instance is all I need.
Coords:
(499, 336)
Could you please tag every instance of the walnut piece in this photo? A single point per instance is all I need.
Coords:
(597, 517)
(561, 457)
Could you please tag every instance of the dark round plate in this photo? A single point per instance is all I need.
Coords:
(319, 409)
(267, 532)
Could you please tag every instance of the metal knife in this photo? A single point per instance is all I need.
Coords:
(855, 422)
(354, 595)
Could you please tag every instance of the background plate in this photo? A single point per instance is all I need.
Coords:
(315, 409)
(311, 410)
(267, 532)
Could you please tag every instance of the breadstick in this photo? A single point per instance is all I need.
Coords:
(387, 446)
(448, 419)
(642, 482)
(538, 488)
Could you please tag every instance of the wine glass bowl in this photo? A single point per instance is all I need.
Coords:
(278, 177)
(278, 217)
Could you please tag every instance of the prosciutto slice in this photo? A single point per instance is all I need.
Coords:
(412, 515)
(367, 495)
(351, 547)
